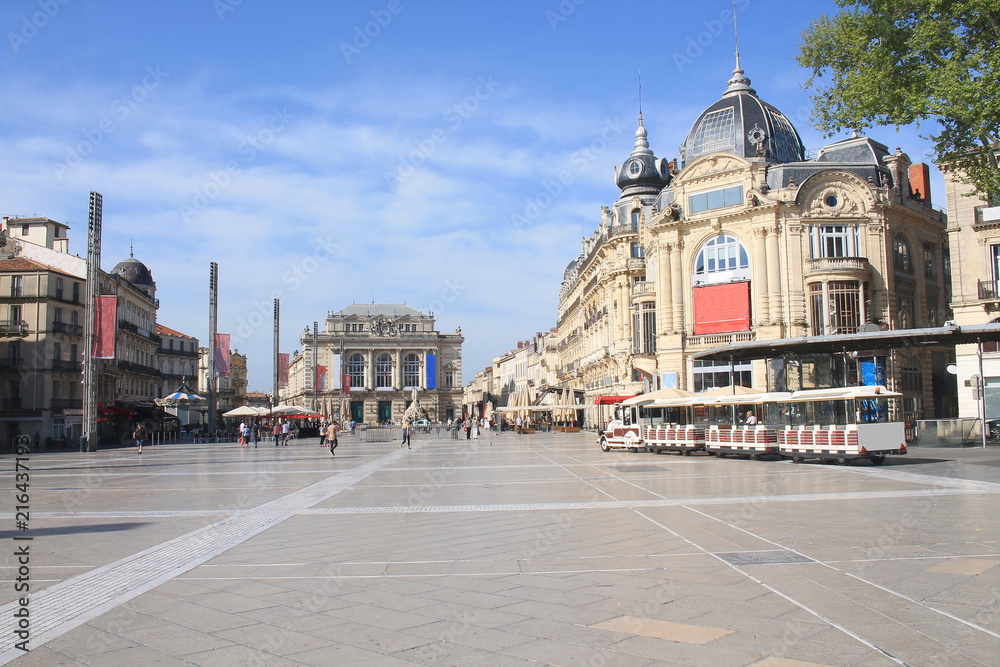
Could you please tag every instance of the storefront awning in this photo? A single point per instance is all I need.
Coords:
(610, 400)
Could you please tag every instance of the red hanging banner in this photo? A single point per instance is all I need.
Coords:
(222, 354)
(282, 369)
(105, 321)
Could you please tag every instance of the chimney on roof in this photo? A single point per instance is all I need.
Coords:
(920, 182)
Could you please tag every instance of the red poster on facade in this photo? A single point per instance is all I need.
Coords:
(282, 369)
(105, 322)
(321, 378)
(346, 386)
(221, 354)
(722, 308)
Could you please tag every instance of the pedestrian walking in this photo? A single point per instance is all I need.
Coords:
(354, 425)
(322, 433)
(255, 430)
(519, 423)
(475, 429)
(140, 437)
(331, 436)
(406, 435)
(276, 432)
(286, 430)
(245, 436)
(467, 425)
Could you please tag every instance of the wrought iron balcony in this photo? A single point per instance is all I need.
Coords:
(70, 329)
(64, 366)
(988, 290)
(13, 328)
(67, 403)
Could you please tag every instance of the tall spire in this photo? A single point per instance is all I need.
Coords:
(641, 143)
(739, 83)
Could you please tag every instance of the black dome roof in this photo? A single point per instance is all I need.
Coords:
(739, 123)
(135, 272)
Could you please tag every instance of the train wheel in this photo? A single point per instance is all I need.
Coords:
(604, 445)
(877, 460)
(633, 449)
(843, 460)
(721, 455)
(798, 459)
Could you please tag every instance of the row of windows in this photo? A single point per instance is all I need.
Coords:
(713, 199)
(383, 370)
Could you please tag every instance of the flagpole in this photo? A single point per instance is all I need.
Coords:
(88, 441)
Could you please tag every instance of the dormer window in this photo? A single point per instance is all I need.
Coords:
(635, 216)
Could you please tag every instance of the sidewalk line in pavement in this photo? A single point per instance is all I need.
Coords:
(70, 604)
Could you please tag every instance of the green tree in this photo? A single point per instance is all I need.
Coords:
(933, 63)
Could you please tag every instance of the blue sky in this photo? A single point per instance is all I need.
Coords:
(336, 152)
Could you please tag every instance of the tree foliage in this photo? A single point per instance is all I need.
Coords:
(933, 63)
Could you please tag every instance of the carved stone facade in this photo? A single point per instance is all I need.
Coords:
(749, 240)
(365, 361)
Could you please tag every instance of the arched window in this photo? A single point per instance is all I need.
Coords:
(383, 371)
(635, 216)
(411, 371)
(721, 259)
(356, 369)
(901, 255)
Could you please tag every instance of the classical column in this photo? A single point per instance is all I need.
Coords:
(397, 370)
(676, 256)
(664, 294)
(370, 369)
(760, 287)
(774, 275)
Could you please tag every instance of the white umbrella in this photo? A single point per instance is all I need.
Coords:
(244, 411)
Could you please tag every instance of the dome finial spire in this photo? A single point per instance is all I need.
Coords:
(739, 83)
(641, 142)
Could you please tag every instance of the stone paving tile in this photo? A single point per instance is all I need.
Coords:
(400, 602)
(552, 652)
(297, 619)
(380, 617)
(691, 654)
(347, 655)
(240, 656)
(442, 654)
(164, 638)
(557, 612)
(44, 656)
(467, 633)
(136, 655)
(561, 597)
(370, 638)
(203, 619)
(87, 640)
(273, 639)
(484, 618)
(565, 632)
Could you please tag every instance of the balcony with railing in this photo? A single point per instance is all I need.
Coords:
(718, 340)
(66, 328)
(13, 328)
(622, 230)
(67, 403)
(65, 366)
(11, 364)
(987, 215)
(856, 267)
(989, 290)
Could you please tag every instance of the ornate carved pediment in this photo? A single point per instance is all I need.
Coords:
(834, 196)
(711, 166)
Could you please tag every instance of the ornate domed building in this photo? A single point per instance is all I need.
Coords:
(135, 375)
(743, 239)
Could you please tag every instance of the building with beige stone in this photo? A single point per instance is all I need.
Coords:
(365, 361)
(974, 236)
(744, 238)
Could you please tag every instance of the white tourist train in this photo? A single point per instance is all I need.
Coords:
(840, 424)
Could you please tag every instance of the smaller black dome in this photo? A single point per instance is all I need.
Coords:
(135, 272)
(642, 173)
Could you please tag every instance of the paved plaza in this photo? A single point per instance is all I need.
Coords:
(509, 550)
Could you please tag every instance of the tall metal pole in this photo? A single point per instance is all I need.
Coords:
(277, 310)
(95, 218)
(982, 390)
(315, 363)
(213, 325)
